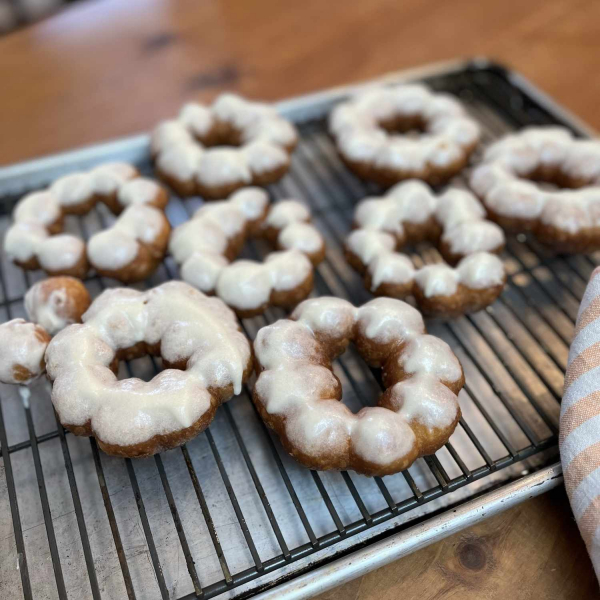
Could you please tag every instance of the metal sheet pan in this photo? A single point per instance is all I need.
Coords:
(254, 521)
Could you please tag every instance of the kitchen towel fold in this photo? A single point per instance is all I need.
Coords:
(580, 421)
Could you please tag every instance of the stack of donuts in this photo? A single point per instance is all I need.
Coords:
(405, 138)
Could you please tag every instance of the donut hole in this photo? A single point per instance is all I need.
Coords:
(555, 179)
(361, 384)
(144, 367)
(142, 361)
(410, 126)
(224, 135)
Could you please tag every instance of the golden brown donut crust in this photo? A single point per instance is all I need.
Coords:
(378, 355)
(144, 264)
(258, 228)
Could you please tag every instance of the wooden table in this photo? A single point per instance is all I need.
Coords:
(109, 68)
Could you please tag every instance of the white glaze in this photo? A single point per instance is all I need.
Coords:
(44, 310)
(300, 236)
(391, 268)
(73, 189)
(285, 212)
(118, 246)
(477, 236)
(449, 132)
(223, 166)
(294, 382)
(199, 247)
(109, 177)
(168, 134)
(138, 191)
(180, 160)
(425, 400)
(481, 270)
(29, 238)
(188, 325)
(196, 118)
(437, 280)
(53, 311)
(262, 157)
(60, 252)
(430, 354)
(265, 137)
(499, 180)
(20, 347)
(368, 245)
(38, 207)
(23, 239)
(382, 222)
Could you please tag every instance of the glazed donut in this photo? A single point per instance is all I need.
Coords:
(410, 212)
(508, 184)
(298, 395)
(22, 351)
(34, 240)
(204, 245)
(206, 356)
(368, 133)
(252, 142)
(56, 302)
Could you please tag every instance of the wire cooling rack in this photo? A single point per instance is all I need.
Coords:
(230, 514)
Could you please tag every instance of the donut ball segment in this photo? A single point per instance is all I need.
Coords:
(133, 247)
(512, 183)
(370, 131)
(298, 395)
(205, 248)
(139, 235)
(215, 150)
(22, 348)
(57, 302)
(207, 359)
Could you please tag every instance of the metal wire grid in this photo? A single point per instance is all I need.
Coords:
(514, 355)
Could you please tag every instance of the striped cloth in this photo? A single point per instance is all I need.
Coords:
(580, 421)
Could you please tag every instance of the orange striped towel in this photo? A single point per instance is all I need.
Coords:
(580, 421)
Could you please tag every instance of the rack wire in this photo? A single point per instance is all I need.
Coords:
(230, 513)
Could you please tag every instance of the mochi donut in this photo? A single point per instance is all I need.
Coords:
(34, 240)
(206, 359)
(22, 349)
(204, 246)
(410, 212)
(368, 132)
(508, 182)
(57, 302)
(215, 150)
(298, 395)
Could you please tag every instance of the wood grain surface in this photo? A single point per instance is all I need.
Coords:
(109, 68)
(532, 552)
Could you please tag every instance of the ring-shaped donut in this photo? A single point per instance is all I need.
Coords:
(370, 131)
(129, 250)
(207, 359)
(298, 395)
(205, 245)
(455, 221)
(213, 151)
(508, 183)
